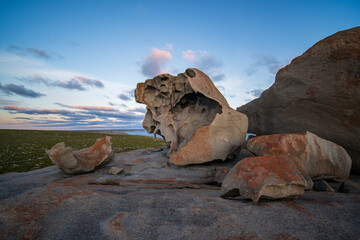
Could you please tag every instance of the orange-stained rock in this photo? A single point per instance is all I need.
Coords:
(84, 160)
(192, 116)
(268, 177)
(315, 157)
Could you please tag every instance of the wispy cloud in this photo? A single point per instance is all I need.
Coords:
(76, 83)
(38, 53)
(255, 92)
(271, 63)
(124, 97)
(4, 102)
(11, 89)
(90, 82)
(155, 62)
(87, 112)
(206, 62)
(92, 108)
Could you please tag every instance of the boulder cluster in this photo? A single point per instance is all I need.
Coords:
(303, 121)
(307, 125)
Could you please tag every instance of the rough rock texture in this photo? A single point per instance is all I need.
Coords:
(315, 157)
(115, 170)
(192, 116)
(151, 202)
(84, 160)
(268, 177)
(318, 92)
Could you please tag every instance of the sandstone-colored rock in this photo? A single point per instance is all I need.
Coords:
(192, 116)
(115, 170)
(318, 92)
(84, 160)
(315, 157)
(268, 177)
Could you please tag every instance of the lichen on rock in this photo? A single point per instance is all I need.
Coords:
(192, 116)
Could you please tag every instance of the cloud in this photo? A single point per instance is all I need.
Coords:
(88, 112)
(97, 108)
(38, 53)
(255, 92)
(154, 63)
(15, 109)
(206, 62)
(138, 109)
(75, 83)
(4, 102)
(11, 89)
(271, 63)
(70, 84)
(90, 82)
(124, 97)
(115, 104)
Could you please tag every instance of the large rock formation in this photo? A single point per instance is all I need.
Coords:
(268, 177)
(84, 160)
(318, 92)
(192, 116)
(315, 157)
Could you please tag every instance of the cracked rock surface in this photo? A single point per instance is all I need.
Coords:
(192, 116)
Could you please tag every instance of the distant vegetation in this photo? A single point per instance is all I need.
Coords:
(24, 150)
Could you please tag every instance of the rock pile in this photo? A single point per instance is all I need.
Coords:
(84, 160)
(192, 116)
(286, 165)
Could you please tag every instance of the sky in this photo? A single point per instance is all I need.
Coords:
(74, 65)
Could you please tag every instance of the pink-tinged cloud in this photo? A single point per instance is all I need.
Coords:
(188, 55)
(154, 63)
(12, 107)
(89, 108)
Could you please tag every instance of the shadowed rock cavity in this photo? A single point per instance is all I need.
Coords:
(192, 116)
(84, 160)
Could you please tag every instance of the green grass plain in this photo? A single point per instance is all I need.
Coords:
(24, 150)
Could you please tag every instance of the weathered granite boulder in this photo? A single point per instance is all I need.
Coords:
(84, 160)
(318, 92)
(192, 116)
(267, 177)
(315, 157)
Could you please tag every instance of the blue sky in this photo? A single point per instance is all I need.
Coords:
(75, 64)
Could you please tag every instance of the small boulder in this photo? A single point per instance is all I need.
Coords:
(268, 177)
(315, 157)
(322, 186)
(84, 160)
(115, 170)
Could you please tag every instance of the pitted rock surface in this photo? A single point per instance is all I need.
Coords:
(152, 199)
(192, 116)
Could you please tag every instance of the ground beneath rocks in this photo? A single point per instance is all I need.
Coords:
(153, 199)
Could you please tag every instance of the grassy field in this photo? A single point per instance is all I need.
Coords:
(24, 150)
